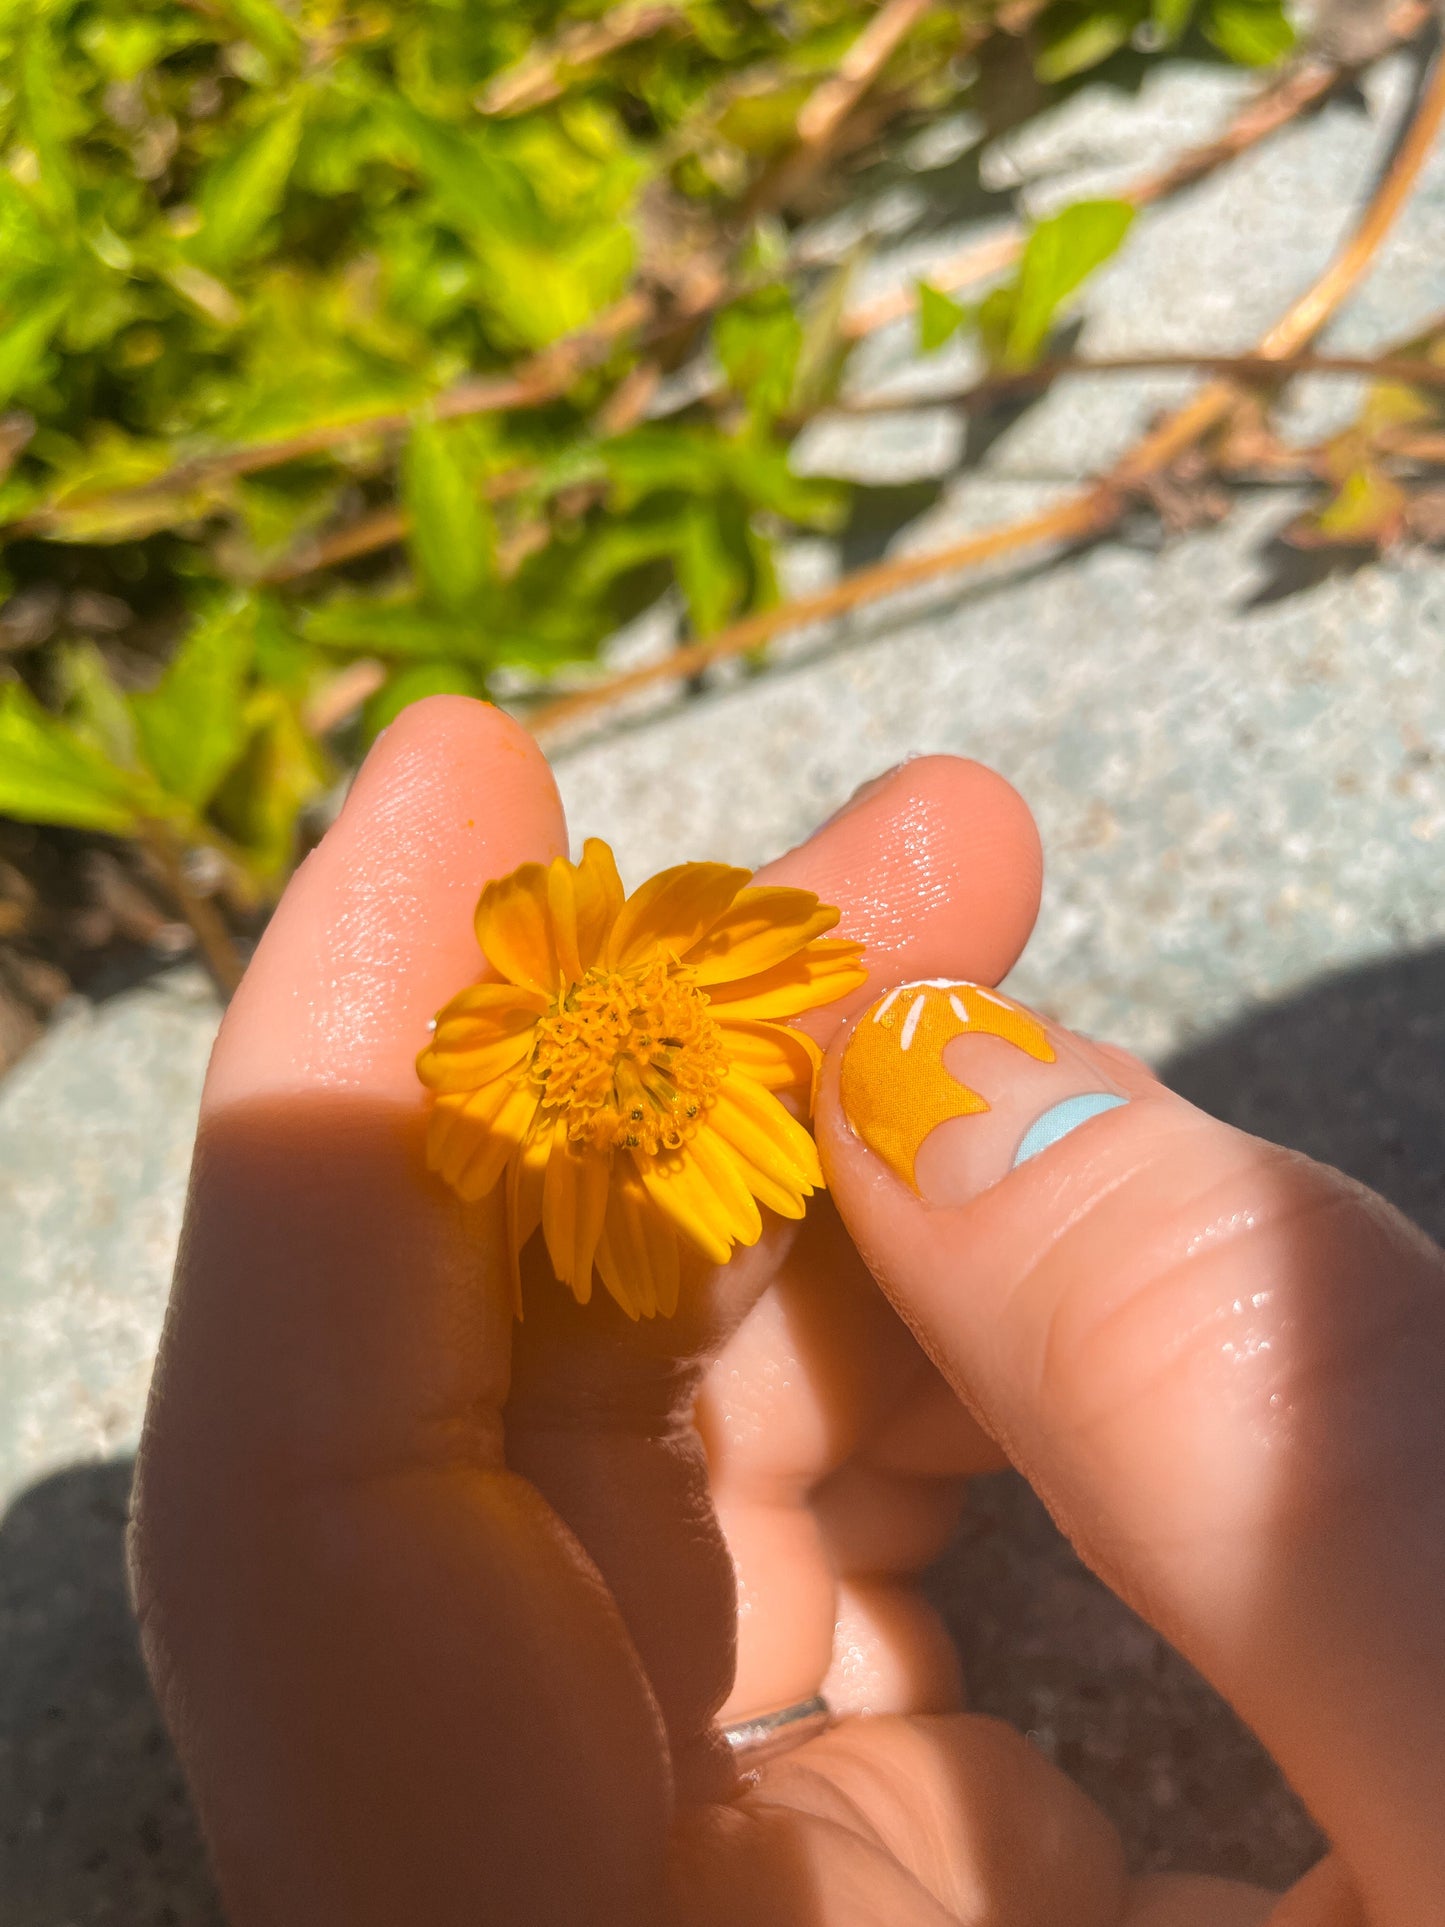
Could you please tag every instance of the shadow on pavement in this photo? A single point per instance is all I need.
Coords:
(94, 1821)
(94, 1824)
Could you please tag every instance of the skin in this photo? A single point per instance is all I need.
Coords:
(442, 1611)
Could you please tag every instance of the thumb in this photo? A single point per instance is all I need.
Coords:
(1219, 1363)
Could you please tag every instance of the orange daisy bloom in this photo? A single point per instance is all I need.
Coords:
(625, 1078)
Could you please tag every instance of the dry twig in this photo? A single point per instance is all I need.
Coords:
(1411, 371)
(207, 924)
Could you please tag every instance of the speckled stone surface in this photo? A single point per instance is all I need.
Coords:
(1242, 797)
(95, 1129)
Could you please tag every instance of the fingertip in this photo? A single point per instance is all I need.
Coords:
(936, 860)
(374, 932)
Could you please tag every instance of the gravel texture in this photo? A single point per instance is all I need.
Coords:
(1240, 777)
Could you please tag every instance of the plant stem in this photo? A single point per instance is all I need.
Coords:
(207, 925)
(1410, 371)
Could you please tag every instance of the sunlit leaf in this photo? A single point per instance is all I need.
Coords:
(1256, 33)
(264, 23)
(714, 564)
(50, 774)
(453, 542)
(1169, 18)
(939, 317)
(96, 707)
(757, 341)
(244, 190)
(280, 771)
(190, 727)
(1368, 511)
(411, 684)
(1059, 255)
(1076, 38)
(34, 312)
(391, 629)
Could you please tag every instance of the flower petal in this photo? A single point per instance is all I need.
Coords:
(635, 1229)
(562, 912)
(672, 910)
(574, 1207)
(514, 928)
(677, 1186)
(525, 1173)
(600, 898)
(820, 974)
(760, 928)
(484, 1032)
(471, 1138)
(721, 1169)
(772, 1055)
(769, 1140)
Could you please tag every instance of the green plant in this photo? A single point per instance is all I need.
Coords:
(330, 336)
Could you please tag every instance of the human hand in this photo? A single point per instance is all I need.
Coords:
(440, 1610)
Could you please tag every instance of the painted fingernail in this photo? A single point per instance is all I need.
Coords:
(956, 1054)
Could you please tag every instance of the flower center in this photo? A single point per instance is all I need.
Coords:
(631, 1056)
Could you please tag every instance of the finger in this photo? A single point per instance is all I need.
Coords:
(599, 1407)
(398, 1687)
(936, 867)
(943, 1820)
(1219, 1363)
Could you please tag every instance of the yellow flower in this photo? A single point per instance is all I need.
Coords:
(625, 1079)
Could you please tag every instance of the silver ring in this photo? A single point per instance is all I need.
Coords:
(768, 1733)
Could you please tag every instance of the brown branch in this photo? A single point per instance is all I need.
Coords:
(1282, 101)
(1409, 370)
(207, 925)
(542, 379)
(1095, 509)
(545, 71)
(371, 532)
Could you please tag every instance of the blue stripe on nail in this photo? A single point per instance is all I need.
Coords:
(1063, 1118)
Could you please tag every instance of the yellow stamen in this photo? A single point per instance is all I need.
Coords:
(631, 1057)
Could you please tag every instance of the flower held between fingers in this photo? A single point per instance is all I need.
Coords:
(625, 1079)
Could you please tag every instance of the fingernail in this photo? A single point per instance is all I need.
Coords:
(958, 1055)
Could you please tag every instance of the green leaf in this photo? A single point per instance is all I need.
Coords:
(714, 564)
(1170, 18)
(1255, 33)
(50, 774)
(410, 685)
(48, 115)
(1060, 254)
(265, 25)
(939, 317)
(190, 726)
(35, 312)
(757, 340)
(245, 188)
(280, 771)
(96, 707)
(1076, 39)
(361, 625)
(453, 542)
(1368, 511)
